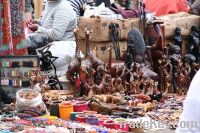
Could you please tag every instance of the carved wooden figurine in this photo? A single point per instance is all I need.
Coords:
(165, 72)
(178, 38)
(183, 77)
(74, 65)
(174, 55)
(194, 42)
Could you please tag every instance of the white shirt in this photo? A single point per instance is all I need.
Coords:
(58, 21)
(191, 108)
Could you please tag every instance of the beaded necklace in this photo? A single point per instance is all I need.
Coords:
(13, 41)
(17, 18)
(6, 28)
(1, 22)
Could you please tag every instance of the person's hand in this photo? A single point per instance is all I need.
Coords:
(32, 25)
(28, 17)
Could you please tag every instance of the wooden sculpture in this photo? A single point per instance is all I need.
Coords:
(75, 64)
(183, 77)
(178, 38)
(165, 72)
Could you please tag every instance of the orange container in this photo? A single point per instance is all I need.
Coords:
(65, 110)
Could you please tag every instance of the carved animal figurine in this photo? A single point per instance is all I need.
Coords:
(194, 41)
(116, 69)
(155, 88)
(89, 53)
(87, 63)
(155, 95)
(75, 64)
(103, 88)
(100, 71)
(118, 87)
(149, 86)
(91, 88)
(138, 73)
(134, 87)
(178, 38)
(145, 84)
(165, 93)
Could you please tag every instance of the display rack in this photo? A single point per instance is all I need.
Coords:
(14, 72)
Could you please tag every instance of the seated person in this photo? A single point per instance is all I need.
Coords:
(56, 24)
(78, 5)
(163, 7)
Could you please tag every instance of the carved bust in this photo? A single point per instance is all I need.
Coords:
(178, 38)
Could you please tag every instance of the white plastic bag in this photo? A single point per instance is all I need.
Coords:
(22, 103)
(65, 51)
(101, 11)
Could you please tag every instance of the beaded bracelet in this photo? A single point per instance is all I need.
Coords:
(91, 119)
(31, 113)
(27, 64)
(35, 111)
(6, 64)
(23, 115)
(10, 83)
(15, 64)
(4, 82)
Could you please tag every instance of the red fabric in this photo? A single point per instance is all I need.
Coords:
(163, 7)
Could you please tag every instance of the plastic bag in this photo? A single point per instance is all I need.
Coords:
(65, 51)
(22, 103)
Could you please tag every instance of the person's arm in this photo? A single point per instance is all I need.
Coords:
(62, 21)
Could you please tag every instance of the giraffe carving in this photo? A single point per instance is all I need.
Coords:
(75, 64)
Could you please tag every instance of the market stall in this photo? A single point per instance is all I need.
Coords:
(133, 77)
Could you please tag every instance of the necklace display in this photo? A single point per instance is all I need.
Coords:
(16, 17)
(5, 31)
(1, 22)
(12, 22)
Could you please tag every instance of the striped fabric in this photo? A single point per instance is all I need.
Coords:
(78, 4)
(196, 5)
(58, 21)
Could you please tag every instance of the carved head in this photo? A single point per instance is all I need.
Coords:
(174, 49)
(194, 28)
(178, 31)
(189, 59)
(135, 43)
(138, 59)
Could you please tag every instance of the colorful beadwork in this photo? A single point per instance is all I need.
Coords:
(12, 27)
